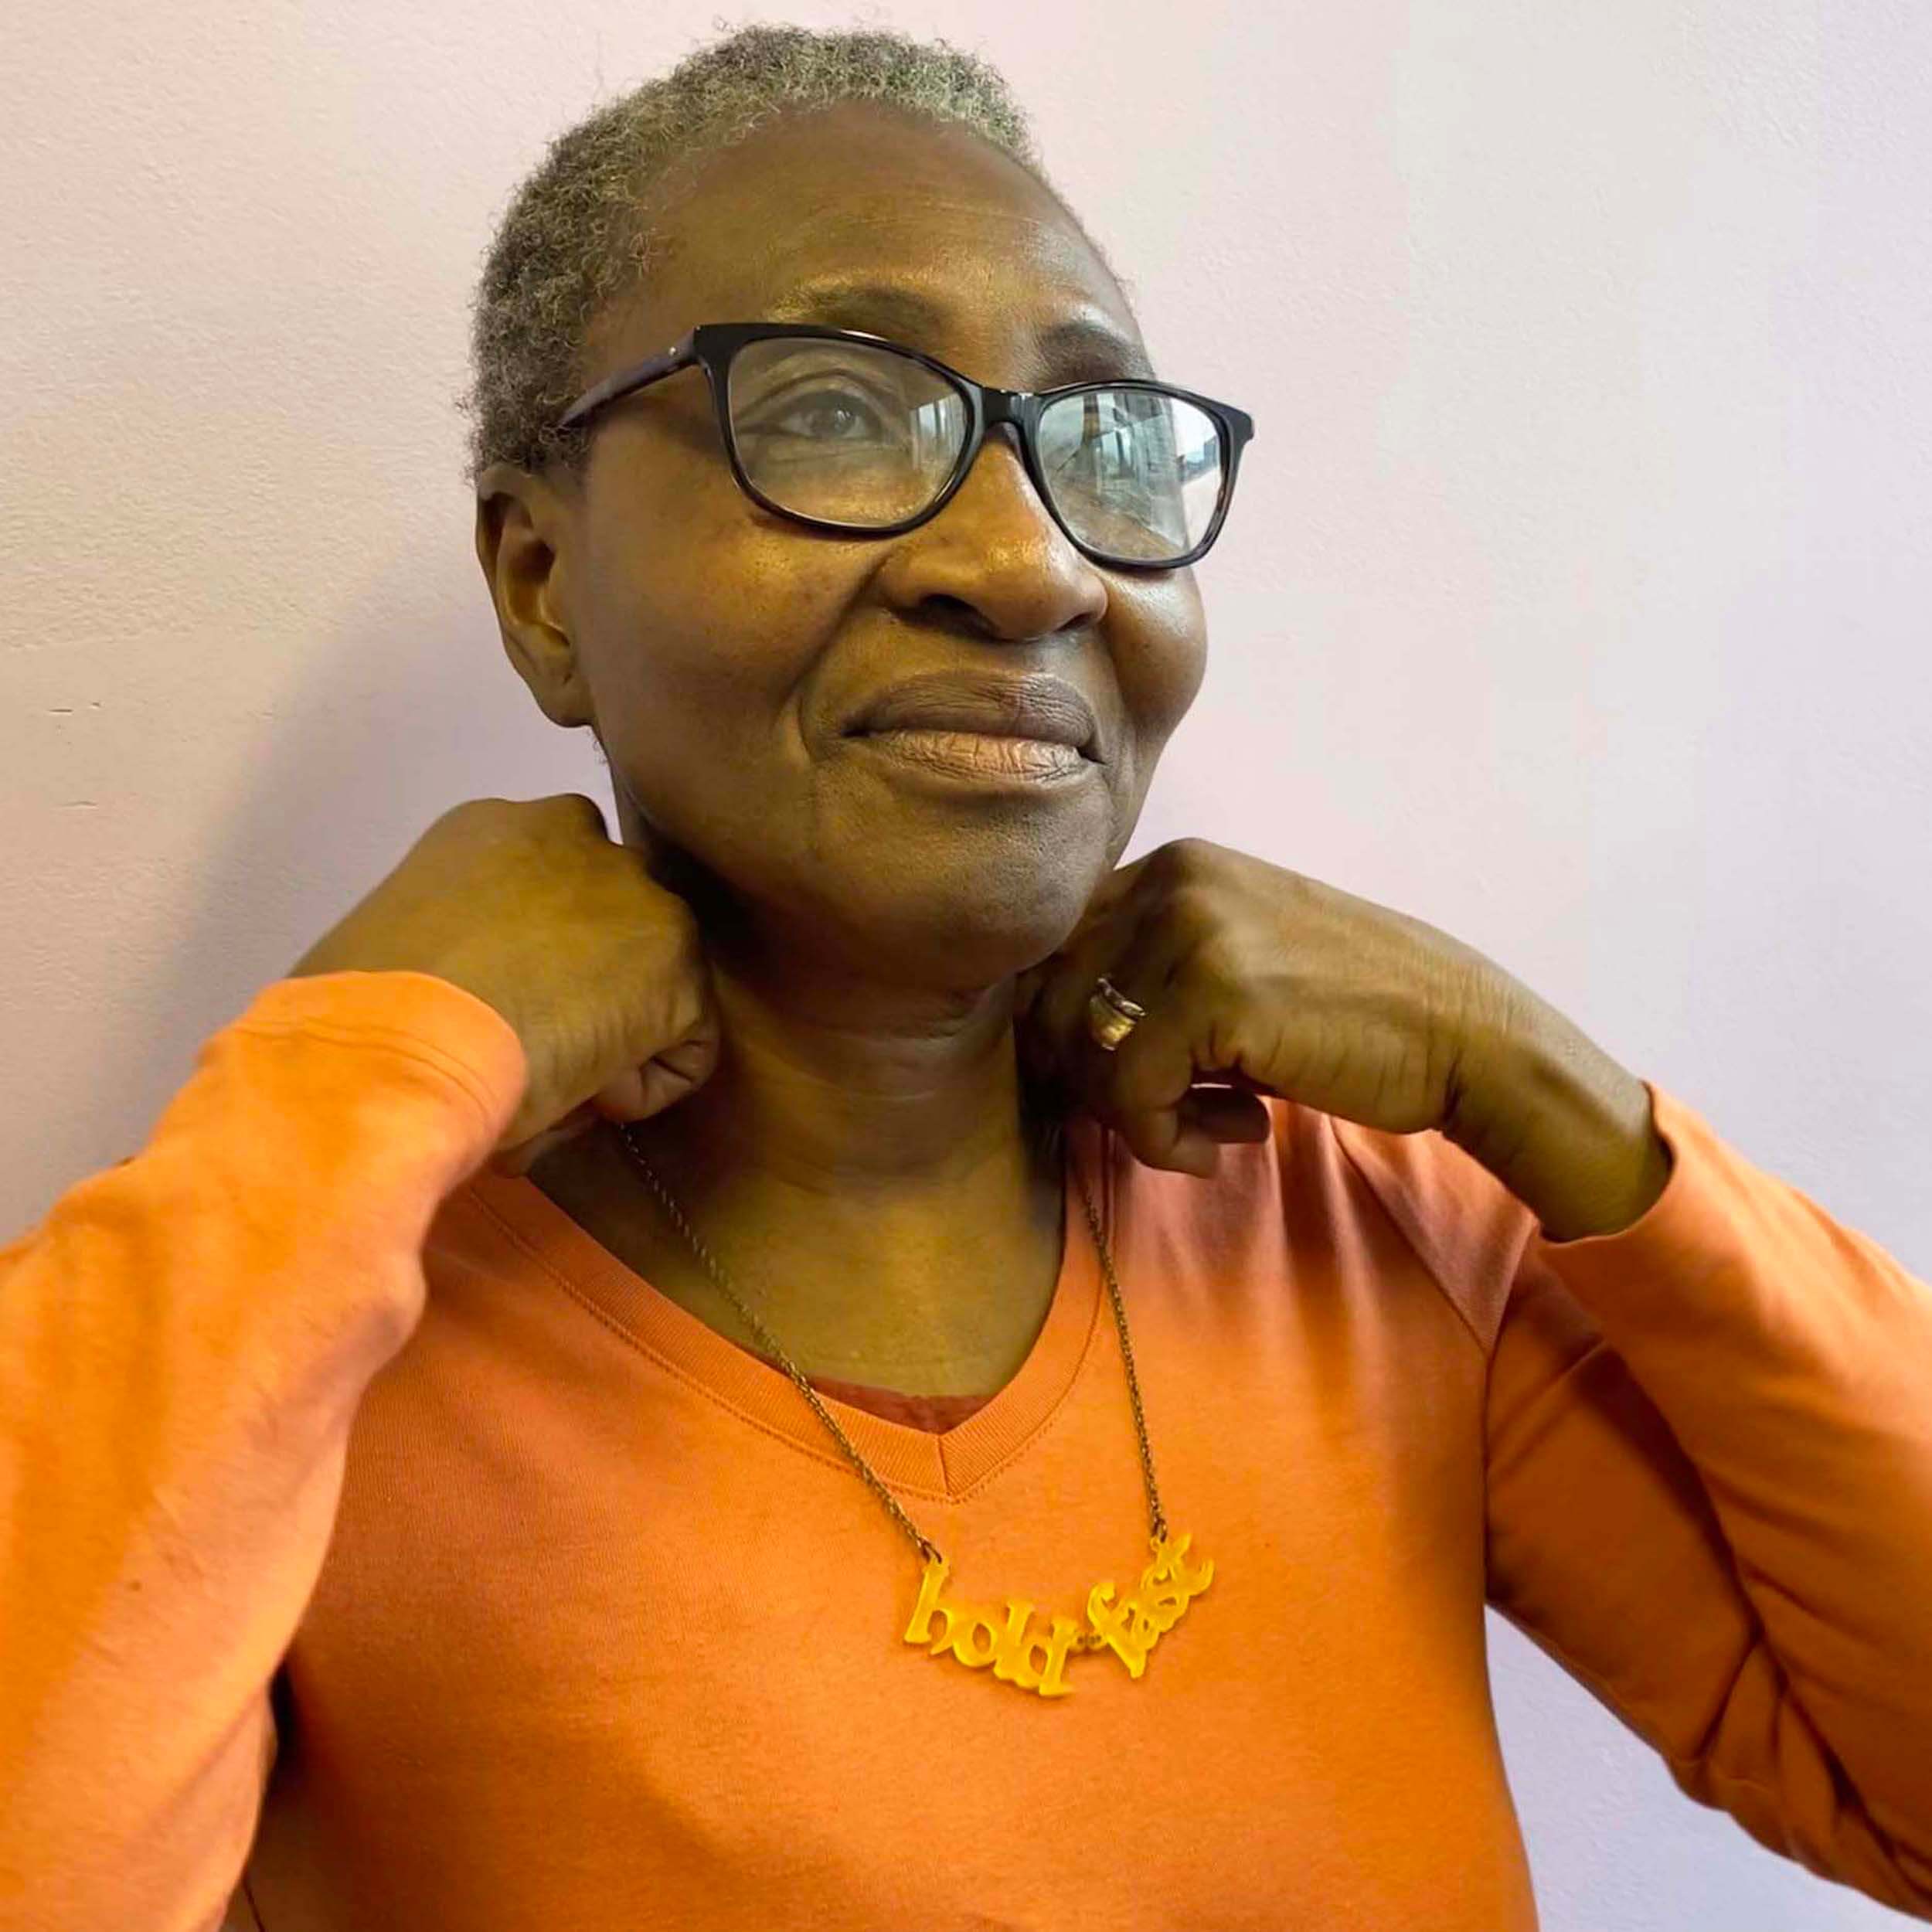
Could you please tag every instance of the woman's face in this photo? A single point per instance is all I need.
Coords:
(721, 651)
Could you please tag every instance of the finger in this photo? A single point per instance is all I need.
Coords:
(662, 1081)
(674, 1075)
(1138, 960)
(1226, 1114)
(1140, 1086)
(520, 1159)
(1142, 1089)
(1085, 943)
(1057, 1010)
(623, 1098)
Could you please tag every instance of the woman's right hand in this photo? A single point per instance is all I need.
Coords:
(530, 905)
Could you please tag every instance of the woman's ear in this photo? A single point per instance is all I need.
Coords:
(523, 530)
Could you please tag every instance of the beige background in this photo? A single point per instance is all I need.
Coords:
(1576, 600)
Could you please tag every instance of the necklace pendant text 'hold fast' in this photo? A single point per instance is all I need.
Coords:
(974, 1635)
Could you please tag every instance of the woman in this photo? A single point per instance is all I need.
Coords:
(642, 1384)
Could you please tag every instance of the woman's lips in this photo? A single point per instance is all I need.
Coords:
(975, 754)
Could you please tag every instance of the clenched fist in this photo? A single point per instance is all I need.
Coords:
(528, 904)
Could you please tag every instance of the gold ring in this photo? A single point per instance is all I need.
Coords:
(1111, 1015)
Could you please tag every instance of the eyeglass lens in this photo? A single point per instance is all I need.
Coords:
(853, 433)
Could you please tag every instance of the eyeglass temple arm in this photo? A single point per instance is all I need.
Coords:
(679, 355)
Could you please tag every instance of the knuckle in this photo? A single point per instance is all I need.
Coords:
(1189, 870)
(577, 807)
(1196, 900)
(464, 814)
(1216, 960)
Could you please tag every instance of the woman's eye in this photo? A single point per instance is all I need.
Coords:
(825, 416)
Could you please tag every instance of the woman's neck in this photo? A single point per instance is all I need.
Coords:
(908, 1239)
(942, 1294)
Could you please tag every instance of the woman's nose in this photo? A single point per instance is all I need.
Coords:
(996, 549)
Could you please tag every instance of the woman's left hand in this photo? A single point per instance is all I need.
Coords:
(1259, 980)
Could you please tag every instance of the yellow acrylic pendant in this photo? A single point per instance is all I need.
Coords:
(974, 1634)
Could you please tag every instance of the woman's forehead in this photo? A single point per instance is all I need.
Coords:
(924, 235)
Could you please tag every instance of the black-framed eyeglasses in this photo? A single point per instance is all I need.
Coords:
(843, 431)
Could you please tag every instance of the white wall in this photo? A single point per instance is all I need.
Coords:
(1576, 600)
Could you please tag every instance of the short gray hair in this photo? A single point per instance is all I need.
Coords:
(574, 238)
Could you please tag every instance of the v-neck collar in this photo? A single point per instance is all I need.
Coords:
(946, 1464)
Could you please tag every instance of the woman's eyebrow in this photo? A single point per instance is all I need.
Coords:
(1090, 347)
(1080, 347)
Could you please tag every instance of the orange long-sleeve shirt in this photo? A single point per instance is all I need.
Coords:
(571, 1613)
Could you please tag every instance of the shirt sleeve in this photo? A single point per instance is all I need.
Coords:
(184, 1340)
(1709, 1481)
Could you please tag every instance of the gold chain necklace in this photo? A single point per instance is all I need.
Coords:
(975, 1633)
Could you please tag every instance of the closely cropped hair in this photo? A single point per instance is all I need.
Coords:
(574, 238)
